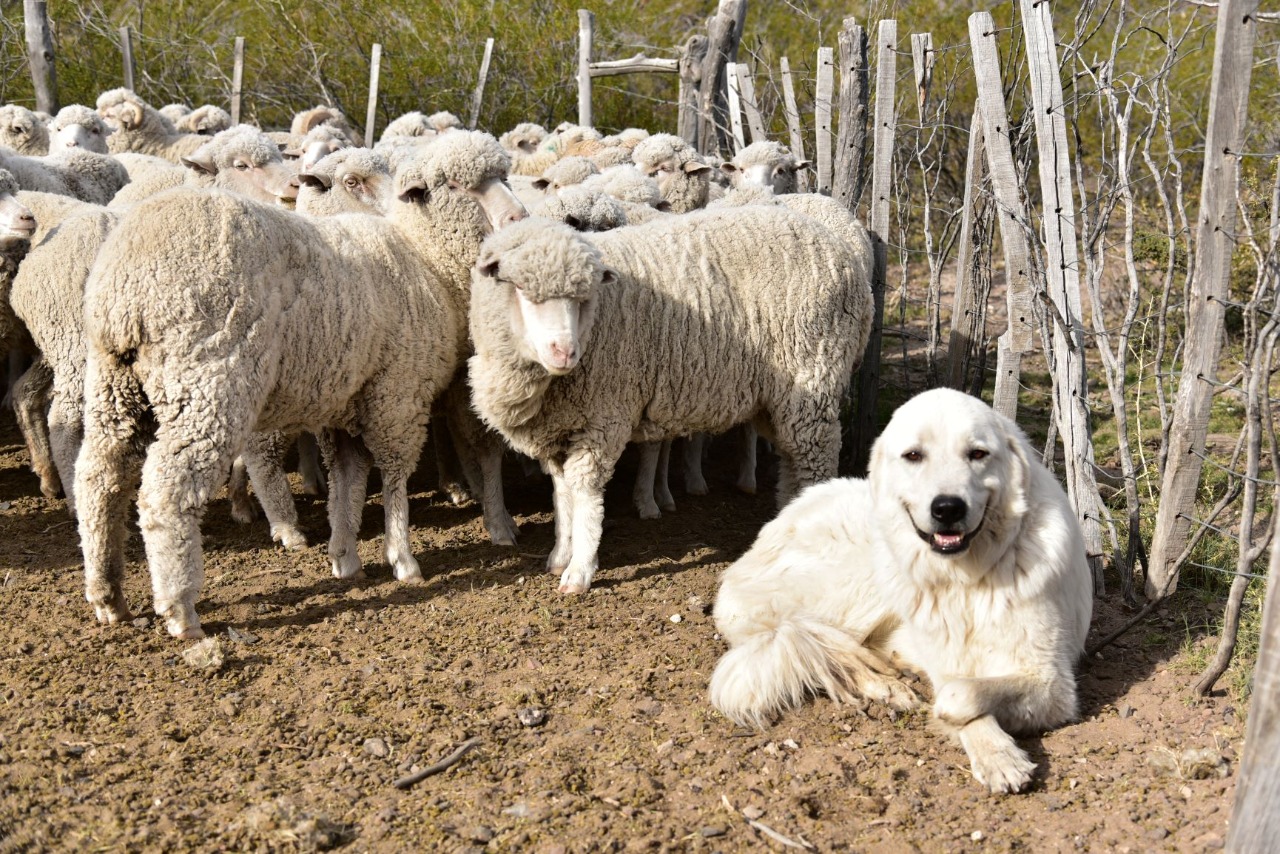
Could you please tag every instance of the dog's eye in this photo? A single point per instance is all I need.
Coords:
(913, 456)
(978, 454)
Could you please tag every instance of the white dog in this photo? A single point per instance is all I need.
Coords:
(960, 559)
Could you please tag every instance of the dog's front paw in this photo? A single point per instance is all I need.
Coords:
(890, 692)
(1003, 770)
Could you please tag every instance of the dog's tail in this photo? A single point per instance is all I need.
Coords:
(774, 669)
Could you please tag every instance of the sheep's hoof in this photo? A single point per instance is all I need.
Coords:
(346, 565)
(668, 505)
(406, 569)
(182, 622)
(242, 513)
(115, 611)
(696, 487)
(747, 487)
(648, 510)
(50, 488)
(312, 486)
(575, 581)
(289, 537)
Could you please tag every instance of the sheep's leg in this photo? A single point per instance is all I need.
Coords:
(395, 439)
(747, 464)
(30, 402)
(808, 445)
(238, 493)
(558, 560)
(661, 486)
(348, 480)
(646, 473)
(497, 519)
(395, 501)
(447, 464)
(694, 482)
(264, 459)
(586, 471)
(309, 465)
(106, 478)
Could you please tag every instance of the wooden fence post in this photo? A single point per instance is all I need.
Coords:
(750, 106)
(44, 73)
(1058, 218)
(478, 98)
(237, 80)
(864, 425)
(692, 59)
(793, 124)
(1255, 819)
(851, 144)
(1011, 213)
(126, 51)
(967, 311)
(371, 117)
(723, 34)
(1210, 277)
(586, 31)
(735, 107)
(822, 117)
(922, 61)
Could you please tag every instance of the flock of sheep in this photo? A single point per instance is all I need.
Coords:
(198, 297)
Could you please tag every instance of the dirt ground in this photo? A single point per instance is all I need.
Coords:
(331, 690)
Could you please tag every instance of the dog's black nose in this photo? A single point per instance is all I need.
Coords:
(948, 509)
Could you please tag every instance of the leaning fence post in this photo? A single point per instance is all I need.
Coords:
(864, 424)
(851, 143)
(478, 97)
(793, 124)
(126, 50)
(44, 76)
(371, 117)
(735, 111)
(586, 29)
(237, 80)
(750, 106)
(822, 117)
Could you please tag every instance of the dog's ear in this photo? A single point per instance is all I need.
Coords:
(1018, 484)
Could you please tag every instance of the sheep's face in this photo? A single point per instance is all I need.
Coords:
(778, 176)
(17, 224)
(461, 179)
(356, 185)
(244, 161)
(127, 114)
(22, 131)
(89, 136)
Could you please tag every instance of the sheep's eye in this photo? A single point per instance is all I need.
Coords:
(241, 165)
(351, 181)
(913, 456)
(978, 454)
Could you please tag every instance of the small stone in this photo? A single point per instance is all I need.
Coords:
(479, 833)
(518, 810)
(531, 716)
(1157, 834)
(650, 707)
(376, 747)
(240, 637)
(676, 618)
(752, 812)
(1125, 711)
(712, 831)
(142, 623)
(790, 744)
(208, 654)
(976, 836)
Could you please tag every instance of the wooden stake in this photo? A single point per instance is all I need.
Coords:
(586, 31)
(371, 117)
(44, 73)
(735, 111)
(750, 106)
(126, 49)
(478, 97)
(237, 80)
(822, 117)
(793, 124)
(851, 144)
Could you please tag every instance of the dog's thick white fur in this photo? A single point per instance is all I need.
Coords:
(959, 558)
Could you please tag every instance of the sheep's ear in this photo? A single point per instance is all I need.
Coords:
(804, 164)
(412, 188)
(664, 206)
(693, 167)
(575, 223)
(201, 161)
(487, 263)
(541, 184)
(289, 153)
(728, 168)
(608, 277)
(316, 180)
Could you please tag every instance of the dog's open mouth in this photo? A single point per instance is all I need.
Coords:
(950, 542)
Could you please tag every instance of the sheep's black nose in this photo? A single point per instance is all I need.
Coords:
(948, 509)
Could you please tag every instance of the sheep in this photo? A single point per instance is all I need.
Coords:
(212, 316)
(77, 126)
(582, 209)
(305, 121)
(23, 131)
(765, 164)
(418, 124)
(83, 175)
(241, 159)
(566, 137)
(173, 113)
(682, 175)
(521, 141)
(205, 120)
(565, 173)
(140, 128)
(319, 142)
(639, 194)
(613, 155)
(17, 228)
(754, 314)
(352, 180)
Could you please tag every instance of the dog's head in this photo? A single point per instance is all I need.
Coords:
(950, 476)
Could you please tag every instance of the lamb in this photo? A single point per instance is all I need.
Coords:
(77, 126)
(23, 131)
(205, 120)
(216, 316)
(565, 173)
(90, 177)
(755, 314)
(765, 164)
(241, 159)
(682, 175)
(140, 128)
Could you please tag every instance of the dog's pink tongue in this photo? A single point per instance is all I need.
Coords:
(947, 541)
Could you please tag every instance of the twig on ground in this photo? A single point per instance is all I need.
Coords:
(776, 836)
(443, 765)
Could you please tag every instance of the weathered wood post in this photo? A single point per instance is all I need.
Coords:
(692, 59)
(967, 312)
(1062, 254)
(922, 62)
(1210, 277)
(851, 143)
(864, 424)
(586, 31)
(371, 116)
(750, 106)
(723, 34)
(822, 117)
(237, 80)
(126, 51)
(478, 97)
(44, 73)
(735, 107)
(793, 124)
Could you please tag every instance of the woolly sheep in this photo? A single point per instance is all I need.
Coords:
(22, 130)
(318, 143)
(765, 164)
(140, 128)
(565, 173)
(307, 120)
(77, 126)
(205, 120)
(174, 112)
(240, 159)
(419, 124)
(226, 316)
(582, 209)
(754, 314)
(83, 175)
(614, 155)
(352, 180)
(565, 138)
(638, 194)
(682, 175)
(17, 228)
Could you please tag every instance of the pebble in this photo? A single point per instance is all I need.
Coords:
(142, 623)
(1157, 834)
(241, 637)
(676, 618)
(479, 833)
(712, 831)
(376, 747)
(976, 836)
(752, 813)
(531, 716)
(1125, 711)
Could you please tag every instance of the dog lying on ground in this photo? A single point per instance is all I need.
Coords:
(959, 558)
